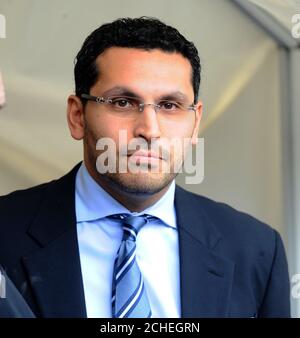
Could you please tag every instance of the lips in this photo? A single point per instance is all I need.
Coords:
(141, 153)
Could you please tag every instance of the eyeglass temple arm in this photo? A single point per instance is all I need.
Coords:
(92, 98)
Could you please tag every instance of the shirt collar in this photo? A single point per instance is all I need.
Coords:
(93, 202)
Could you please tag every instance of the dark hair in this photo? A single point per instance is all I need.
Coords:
(143, 33)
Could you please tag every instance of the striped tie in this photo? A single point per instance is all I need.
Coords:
(129, 297)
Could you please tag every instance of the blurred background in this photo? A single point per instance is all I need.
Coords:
(250, 89)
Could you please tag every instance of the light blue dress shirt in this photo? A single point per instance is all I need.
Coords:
(99, 239)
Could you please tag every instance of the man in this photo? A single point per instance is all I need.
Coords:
(126, 243)
(12, 305)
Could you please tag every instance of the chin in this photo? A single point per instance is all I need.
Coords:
(140, 183)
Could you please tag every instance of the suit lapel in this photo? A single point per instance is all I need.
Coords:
(54, 270)
(206, 278)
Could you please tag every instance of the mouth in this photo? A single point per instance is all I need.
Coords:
(145, 157)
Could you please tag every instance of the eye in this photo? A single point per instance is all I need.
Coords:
(121, 102)
(169, 105)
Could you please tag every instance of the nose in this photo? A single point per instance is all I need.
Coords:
(147, 124)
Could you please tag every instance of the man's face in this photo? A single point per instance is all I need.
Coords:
(150, 76)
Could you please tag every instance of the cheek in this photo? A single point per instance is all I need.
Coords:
(100, 127)
(182, 130)
(180, 138)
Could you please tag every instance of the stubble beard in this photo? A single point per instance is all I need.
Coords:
(142, 183)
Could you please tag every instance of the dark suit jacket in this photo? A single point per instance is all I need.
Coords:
(231, 265)
(13, 305)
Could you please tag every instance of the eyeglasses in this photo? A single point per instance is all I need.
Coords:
(131, 107)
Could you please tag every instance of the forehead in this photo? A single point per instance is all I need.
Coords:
(153, 69)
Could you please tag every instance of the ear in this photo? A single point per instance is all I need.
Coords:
(198, 113)
(75, 117)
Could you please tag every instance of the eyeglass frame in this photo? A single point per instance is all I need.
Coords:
(101, 99)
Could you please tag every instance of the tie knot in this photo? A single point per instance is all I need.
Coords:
(132, 224)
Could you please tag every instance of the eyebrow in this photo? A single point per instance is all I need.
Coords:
(176, 95)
